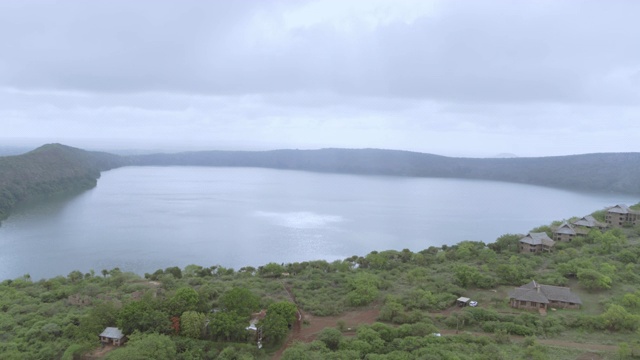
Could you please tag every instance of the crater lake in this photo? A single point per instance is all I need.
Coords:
(141, 219)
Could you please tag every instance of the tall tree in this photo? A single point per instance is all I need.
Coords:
(192, 324)
(143, 316)
(184, 299)
(240, 300)
(228, 325)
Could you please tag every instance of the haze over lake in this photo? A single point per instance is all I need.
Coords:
(145, 218)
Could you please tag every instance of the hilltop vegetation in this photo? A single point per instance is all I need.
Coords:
(54, 168)
(613, 172)
(201, 312)
(49, 170)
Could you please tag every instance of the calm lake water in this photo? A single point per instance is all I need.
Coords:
(145, 218)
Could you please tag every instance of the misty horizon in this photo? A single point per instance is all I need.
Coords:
(17, 147)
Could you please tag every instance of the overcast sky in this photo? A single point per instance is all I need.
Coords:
(457, 78)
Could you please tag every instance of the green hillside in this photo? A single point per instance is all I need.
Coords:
(49, 170)
(54, 168)
(391, 304)
(611, 172)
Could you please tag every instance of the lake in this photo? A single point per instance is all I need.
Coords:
(141, 219)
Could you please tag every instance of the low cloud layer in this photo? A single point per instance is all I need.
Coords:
(451, 77)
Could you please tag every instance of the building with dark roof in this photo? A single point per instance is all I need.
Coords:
(564, 232)
(621, 215)
(536, 243)
(589, 222)
(536, 296)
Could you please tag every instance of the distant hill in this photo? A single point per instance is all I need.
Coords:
(506, 155)
(49, 170)
(606, 172)
(54, 168)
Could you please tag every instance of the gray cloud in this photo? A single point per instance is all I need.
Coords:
(451, 77)
(502, 51)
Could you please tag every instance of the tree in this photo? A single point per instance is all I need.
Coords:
(467, 249)
(420, 299)
(466, 275)
(75, 276)
(192, 324)
(228, 325)
(296, 351)
(377, 261)
(617, 318)
(98, 317)
(511, 274)
(192, 270)
(390, 310)
(271, 270)
(331, 337)
(185, 299)
(146, 346)
(287, 310)
(175, 271)
(364, 289)
(249, 270)
(240, 300)
(573, 266)
(593, 280)
(143, 316)
(280, 316)
(632, 300)
(624, 351)
(274, 327)
(611, 241)
(371, 337)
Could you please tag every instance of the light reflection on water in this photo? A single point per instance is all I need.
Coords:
(300, 219)
(144, 218)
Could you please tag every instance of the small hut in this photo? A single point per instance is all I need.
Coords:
(462, 301)
(112, 335)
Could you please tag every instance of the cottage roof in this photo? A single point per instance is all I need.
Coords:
(540, 238)
(619, 209)
(112, 333)
(548, 292)
(463, 299)
(588, 221)
(565, 228)
(528, 295)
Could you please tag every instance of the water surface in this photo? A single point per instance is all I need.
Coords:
(144, 218)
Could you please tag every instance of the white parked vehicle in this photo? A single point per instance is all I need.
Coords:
(473, 303)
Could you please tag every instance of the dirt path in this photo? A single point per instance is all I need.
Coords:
(308, 333)
(351, 319)
(98, 353)
(575, 345)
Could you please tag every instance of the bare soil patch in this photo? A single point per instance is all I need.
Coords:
(99, 353)
(308, 333)
(590, 356)
(575, 345)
